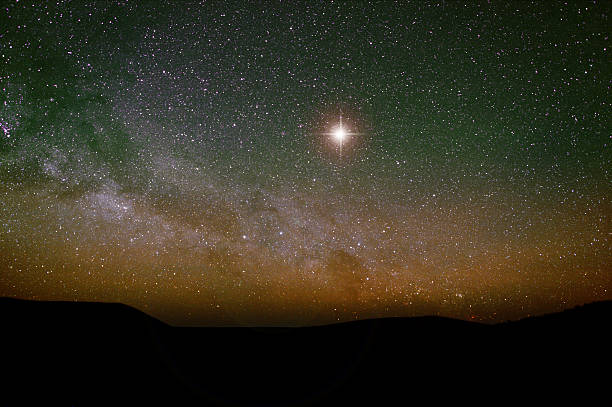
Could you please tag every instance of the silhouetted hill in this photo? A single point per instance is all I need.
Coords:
(65, 353)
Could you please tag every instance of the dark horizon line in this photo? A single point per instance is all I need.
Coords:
(600, 306)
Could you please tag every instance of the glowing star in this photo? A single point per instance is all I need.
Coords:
(340, 134)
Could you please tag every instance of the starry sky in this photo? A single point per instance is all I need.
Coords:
(183, 159)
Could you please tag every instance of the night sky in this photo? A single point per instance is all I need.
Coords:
(295, 163)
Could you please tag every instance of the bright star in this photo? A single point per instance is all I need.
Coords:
(340, 134)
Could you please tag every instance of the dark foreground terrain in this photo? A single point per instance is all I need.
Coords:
(77, 354)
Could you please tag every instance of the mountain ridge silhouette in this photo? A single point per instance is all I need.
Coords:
(88, 353)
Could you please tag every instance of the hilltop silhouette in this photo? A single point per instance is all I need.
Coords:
(69, 353)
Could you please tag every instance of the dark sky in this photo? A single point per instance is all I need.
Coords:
(182, 159)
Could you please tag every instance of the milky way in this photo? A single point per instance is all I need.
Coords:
(182, 159)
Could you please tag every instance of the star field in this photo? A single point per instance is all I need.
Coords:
(184, 160)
